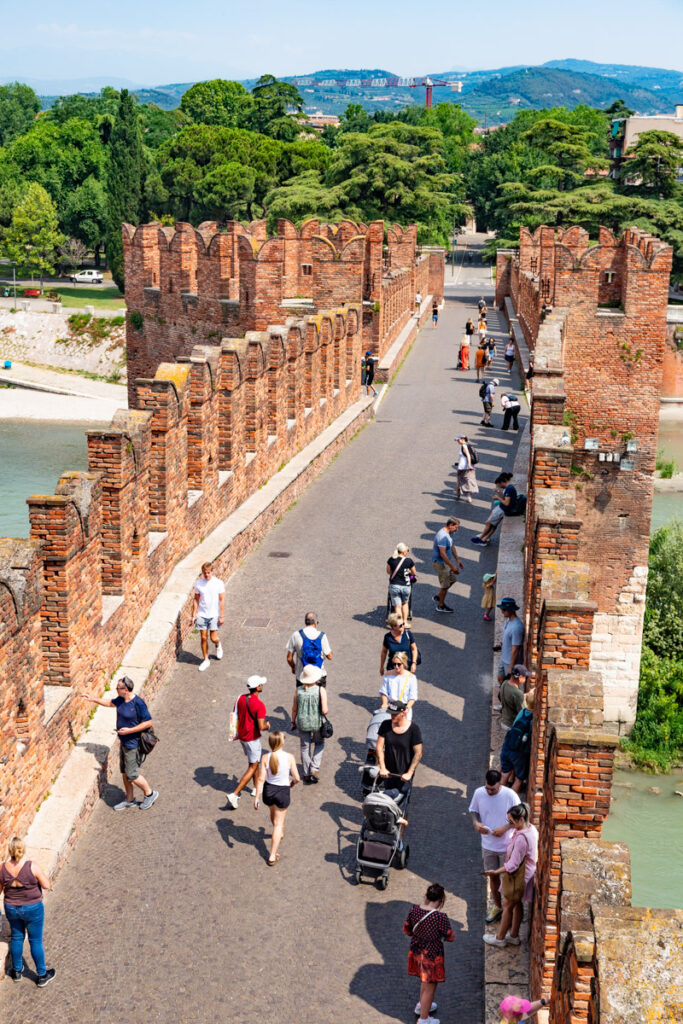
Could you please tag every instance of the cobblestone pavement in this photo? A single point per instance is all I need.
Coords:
(172, 914)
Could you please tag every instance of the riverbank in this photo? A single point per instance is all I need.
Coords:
(30, 392)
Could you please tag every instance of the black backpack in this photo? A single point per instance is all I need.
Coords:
(520, 507)
(482, 390)
(474, 458)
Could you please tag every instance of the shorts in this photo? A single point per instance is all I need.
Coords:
(129, 762)
(496, 515)
(252, 748)
(488, 406)
(509, 360)
(492, 860)
(446, 575)
(516, 762)
(276, 796)
(205, 623)
(503, 669)
(399, 594)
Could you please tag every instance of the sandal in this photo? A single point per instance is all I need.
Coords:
(272, 863)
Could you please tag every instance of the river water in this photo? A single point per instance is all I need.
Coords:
(652, 826)
(33, 455)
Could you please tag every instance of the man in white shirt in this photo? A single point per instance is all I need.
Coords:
(208, 612)
(489, 810)
(308, 646)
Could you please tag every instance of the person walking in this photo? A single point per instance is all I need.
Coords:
(418, 304)
(23, 884)
(427, 927)
(488, 601)
(510, 354)
(446, 563)
(464, 354)
(398, 640)
(399, 685)
(132, 718)
(466, 477)
(511, 408)
(251, 722)
(308, 709)
(487, 401)
(481, 304)
(402, 576)
(399, 751)
(522, 848)
(469, 328)
(435, 313)
(490, 346)
(208, 612)
(488, 809)
(277, 774)
(308, 646)
(480, 357)
(482, 327)
(368, 372)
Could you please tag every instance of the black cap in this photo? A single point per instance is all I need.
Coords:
(396, 706)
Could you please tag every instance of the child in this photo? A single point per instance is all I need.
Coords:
(488, 601)
(515, 1009)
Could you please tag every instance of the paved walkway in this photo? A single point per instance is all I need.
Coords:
(172, 915)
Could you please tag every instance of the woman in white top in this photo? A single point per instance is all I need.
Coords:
(466, 483)
(399, 685)
(277, 774)
(510, 354)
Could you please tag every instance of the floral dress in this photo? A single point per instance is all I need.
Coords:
(425, 959)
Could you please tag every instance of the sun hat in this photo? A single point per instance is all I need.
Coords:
(509, 604)
(310, 674)
(253, 682)
(514, 1004)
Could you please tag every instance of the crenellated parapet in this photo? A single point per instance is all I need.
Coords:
(188, 286)
(206, 432)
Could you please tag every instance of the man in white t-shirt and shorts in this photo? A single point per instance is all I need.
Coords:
(308, 646)
(208, 612)
(489, 809)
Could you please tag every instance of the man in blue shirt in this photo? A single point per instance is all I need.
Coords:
(513, 638)
(446, 563)
(487, 400)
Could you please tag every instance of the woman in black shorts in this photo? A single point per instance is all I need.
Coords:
(277, 774)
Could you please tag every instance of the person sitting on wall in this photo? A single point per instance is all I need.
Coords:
(506, 497)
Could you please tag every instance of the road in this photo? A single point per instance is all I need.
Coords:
(172, 914)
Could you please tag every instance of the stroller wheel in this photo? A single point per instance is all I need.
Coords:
(403, 857)
(382, 882)
(358, 875)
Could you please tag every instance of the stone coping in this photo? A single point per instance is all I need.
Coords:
(76, 789)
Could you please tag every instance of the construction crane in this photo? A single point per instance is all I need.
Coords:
(429, 84)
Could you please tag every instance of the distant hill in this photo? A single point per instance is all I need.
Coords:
(496, 93)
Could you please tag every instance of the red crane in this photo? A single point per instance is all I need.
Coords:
(382, 83)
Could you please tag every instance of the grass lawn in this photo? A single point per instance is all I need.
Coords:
(79, 296)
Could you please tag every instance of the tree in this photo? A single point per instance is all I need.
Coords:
(71, 253)
(19, 106)
(218, 102)
(270, 113)
(33, 237)
(125, 181)
(300, 197)
(618, 109)
(663, 630)
(84, 215)
(652, 165)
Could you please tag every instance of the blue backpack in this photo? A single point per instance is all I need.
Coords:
(311, 650)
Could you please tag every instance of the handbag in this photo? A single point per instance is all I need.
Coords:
(512, 885)
(326, 729)
(232, 723)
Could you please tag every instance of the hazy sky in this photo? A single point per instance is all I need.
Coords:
(152, 42)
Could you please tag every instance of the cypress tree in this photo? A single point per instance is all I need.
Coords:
(125, 180)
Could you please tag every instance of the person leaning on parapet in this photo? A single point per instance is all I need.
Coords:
(251, 722)
(489, 810)
(487, 401)
(446, 563)
(512, 642)
(308, 646)
(418, 304)
(208, 612)
(132, 718)
(506, 496)
(511, 695)
(511, 407)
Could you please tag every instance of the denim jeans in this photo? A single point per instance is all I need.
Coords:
(26, 918)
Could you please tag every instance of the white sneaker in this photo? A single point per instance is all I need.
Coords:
(432, 1008)
(251, 790)
(513, 941)
(428, 1020)
(219, 652)
(234, 800)
(491, 940)
(204, 665)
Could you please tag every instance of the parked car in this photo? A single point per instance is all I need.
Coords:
(87, 277)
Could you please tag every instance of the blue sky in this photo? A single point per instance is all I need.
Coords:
(152, 42)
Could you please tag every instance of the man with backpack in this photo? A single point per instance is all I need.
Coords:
(251, 722)
(308, 646)
(487, 393)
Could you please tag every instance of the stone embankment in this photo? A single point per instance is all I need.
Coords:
(50, 339)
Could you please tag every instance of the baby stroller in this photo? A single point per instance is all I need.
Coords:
(370, 768)
(380, 843)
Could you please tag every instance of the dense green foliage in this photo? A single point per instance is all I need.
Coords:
(657, 739)
(125, 181)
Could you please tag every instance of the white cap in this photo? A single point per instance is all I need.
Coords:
(253, 682)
